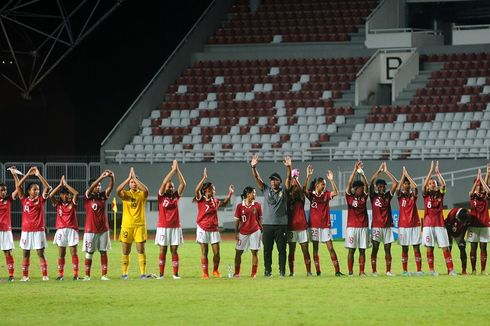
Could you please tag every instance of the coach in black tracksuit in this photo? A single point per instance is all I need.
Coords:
(275, 218)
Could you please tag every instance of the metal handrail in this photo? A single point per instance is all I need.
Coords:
(400, 30)
(463, 27)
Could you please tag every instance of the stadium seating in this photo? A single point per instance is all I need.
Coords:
(445, 118)
(293, 21)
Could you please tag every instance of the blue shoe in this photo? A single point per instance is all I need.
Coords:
(124, 277)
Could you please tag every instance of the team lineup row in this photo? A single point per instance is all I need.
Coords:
(281, 219)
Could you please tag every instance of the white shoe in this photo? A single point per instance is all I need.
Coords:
(452, 273)
(86, 278)
(104, 278)
(375, 274)
(45, 278)
(176, 277)
(433, 273)
(160, 277)
(390, 274)
(25, 279)
(419, 273)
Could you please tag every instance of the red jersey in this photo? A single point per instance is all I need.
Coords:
(319, 209)
(357, 216)
(5, 214)
(66, 215)
(249, 217)
(33, 214)
(479, 208)
(454, 227)
(381, 208)
(297, 218)
(207, 214)
(95, 214)
(409, 216)
(433, 206)
(168, 211)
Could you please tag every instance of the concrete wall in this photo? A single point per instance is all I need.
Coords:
(477, 35)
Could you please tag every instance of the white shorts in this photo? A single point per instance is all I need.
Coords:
(6, 240)
(298, 236)
(249, 241)
(207, 236)
(431, 234)
(478, 234)
(384, 235)
(93, 242)
(66, 237)
(33, 240)
(409, 236)
(357, 238)
(320, 234)
(169, 237)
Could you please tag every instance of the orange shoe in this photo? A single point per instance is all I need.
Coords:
(217, 274)
(204, 276)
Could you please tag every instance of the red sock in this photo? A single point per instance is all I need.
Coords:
(10, 264)
(449, 261)
(335, 262)
(25, 267)
(373, 263)
(88, 266)
(44, 267)
(316, 259)
(75, 262)
(237, 269)
(254, 270)
(175, 263)
(103, 263)
(388, 263)
(418, 261)
(404, 261)
(204, 265)
(430, 260)
(362, 262)
(161, 263)
(350, 265)
(291, 262)
(483, 260)
(61, 267)
(308, 263)
(473, 260)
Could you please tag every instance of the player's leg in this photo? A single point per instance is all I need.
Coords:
(405, 260)
(418, 259)
(443, 242)
(387, 247)
(333, 257)
(268, 240)
(26, 255)
(61, 263)
(374, 255)
(9, 260)
(483, 257)
(43, 263)
(316, 257)
(462, 255)
(216, 259)
(430, 260)
(175, 260)
(255, 262)
(238, 262)
(126, 252)
(362, 261)
(449, 260)
(103, 265)
(74, 261)
(204, 260)
(140, 248)
(350, 261)
(162, 259)
(306, 257)
(291, 252)
(473, 249)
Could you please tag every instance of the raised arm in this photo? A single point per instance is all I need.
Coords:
(373, 179)
(412, 182)
(394, 182)
(475, 184)
(141, 186)
(309, 173)
(197, 191)
(427, 178)
(231, 190)
(487, 174)
(53, 193)
(364, 179)
(46, 186)
(182, 183)
(255, 173)
(287, 163)
(335, 190)
(16, 180)
(440, 178)
(168, 177)
(483, 183)
(350, 181)
(21, 182)
(400, 184)
(120, 188)
(73, 191)
(108, 190)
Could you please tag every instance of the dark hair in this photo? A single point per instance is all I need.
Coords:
(205, 186)
(246, 191)
(357, 183)
(64, 190)
(380, 182)
(314, 182)
(463, 215)
(30, 185)
(91, 181)
(3, 185)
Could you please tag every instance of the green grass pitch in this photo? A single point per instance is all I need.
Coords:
(298, 300)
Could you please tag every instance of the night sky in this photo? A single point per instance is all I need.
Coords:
(73, 110)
